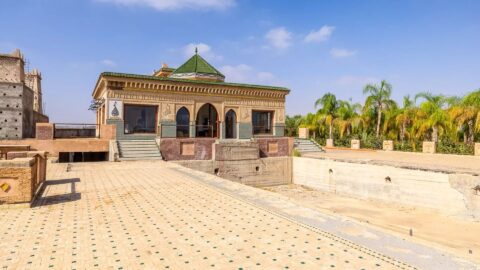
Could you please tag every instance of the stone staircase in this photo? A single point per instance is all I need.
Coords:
(138, 150)
(307, 146)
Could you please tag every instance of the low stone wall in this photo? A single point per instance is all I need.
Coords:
(262, 172)
(21, 178)
(452, 194)
(186, 148)
(53, 147)
(273, 146)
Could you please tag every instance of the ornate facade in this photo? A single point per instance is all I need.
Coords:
(190, 101)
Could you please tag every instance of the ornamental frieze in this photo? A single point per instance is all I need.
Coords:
(252, 92)
(157, 97)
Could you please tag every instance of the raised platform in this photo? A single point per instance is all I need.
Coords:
(407, 160)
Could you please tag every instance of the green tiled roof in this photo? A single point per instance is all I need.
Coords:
(196, 64)
(167, 79)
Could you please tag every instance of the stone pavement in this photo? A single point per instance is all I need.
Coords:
(157, 215)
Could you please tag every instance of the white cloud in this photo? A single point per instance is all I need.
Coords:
(320, 35)
(341, 53)
(162, 5)
(245, 74)
(350, 80)
(239, 73)
(203, 49)
(265, 76)
(279, 38)
(108, 63)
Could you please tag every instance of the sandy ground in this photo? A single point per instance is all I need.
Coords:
(435, 162)
(429, 227)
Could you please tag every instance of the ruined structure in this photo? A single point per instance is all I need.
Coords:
(21, 98)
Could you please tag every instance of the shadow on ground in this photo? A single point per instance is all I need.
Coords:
(58, 198)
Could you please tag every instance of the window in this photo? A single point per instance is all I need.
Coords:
(140, 119)
(183, 123)
(262, 122)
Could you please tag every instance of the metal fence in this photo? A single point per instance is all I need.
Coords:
(70, 130)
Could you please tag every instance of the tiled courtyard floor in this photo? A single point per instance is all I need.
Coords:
(150, 215)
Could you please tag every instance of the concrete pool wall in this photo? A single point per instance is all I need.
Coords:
(450, 193)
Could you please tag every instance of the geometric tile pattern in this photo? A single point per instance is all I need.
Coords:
(144, 215)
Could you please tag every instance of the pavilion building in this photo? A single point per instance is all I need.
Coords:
(188, 104)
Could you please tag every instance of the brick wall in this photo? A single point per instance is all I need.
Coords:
(44, 131)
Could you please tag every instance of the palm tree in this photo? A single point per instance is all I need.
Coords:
(405, 116)
(466, 114)
(310, 121)
(379, 99)
(292, 123)
(432, 116)
(328, 108)
(390, 129)
(347, 117)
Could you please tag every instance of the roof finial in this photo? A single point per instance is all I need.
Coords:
(196, 50)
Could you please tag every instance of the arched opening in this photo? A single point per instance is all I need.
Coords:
(207, 121)
(231, 125)
(183, 123)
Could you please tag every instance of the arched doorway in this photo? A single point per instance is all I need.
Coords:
(207, 121)
(231, 125)
(183, 123)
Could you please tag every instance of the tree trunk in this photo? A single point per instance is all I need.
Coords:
(330, 132)
(402, 131)
(435, 134)
(379, 119)
(470, 132)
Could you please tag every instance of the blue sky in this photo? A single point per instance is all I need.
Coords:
(312, 47)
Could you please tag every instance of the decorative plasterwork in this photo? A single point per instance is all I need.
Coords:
(179, 88)
(157, 97)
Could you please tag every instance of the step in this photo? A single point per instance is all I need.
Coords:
(138, 148)
(139, 153)
(142, 158)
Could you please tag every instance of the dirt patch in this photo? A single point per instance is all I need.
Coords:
(427, 226)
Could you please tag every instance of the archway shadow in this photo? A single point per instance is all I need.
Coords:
(42, 200)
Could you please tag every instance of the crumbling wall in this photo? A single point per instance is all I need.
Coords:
(451, 194)
(11, 110)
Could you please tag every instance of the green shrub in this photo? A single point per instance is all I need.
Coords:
(321, 141)
(342, 142)
(370, 141)
(296, 153)
(447, 146)
(413, 146)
